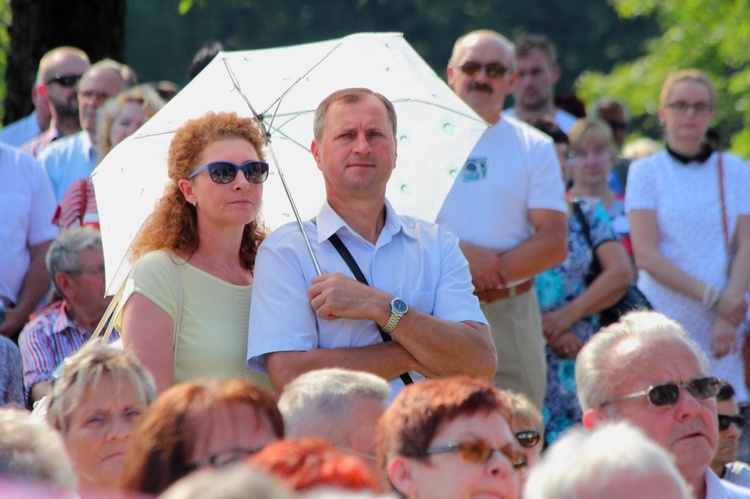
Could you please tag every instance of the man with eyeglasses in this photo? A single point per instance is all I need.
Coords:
(75, 157)
(60, 69)
(507, 208)
(731, 424)
(75, 263)
(538, 72)
(646, 370)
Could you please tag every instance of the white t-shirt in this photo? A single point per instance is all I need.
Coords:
(27, 205)
(512, 169)
(563, 119)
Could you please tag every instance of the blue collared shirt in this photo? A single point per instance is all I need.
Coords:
(68, 159)
(417, 261)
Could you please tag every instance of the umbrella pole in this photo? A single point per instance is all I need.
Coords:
(296, 213)
(267, 133)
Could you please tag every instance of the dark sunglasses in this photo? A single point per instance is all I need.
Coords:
(480, 452)
(668, 393)
(66, 81)
(725, 421)
(220, 459)
(224, 172)
(528, 438)
(493, 69)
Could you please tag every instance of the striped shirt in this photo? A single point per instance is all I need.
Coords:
(47, 340)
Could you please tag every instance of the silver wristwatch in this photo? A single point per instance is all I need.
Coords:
(398, 310)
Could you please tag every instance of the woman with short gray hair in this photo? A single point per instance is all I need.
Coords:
(101, 395)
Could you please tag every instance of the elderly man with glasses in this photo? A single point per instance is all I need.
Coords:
(646, 370)
(508, 210)
(75, 263)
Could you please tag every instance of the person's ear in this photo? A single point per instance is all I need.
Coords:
(62, 280)
(400, 473)
(186, 187)
(449, 73)
(315, 150)
(555, 74)
(594, 418)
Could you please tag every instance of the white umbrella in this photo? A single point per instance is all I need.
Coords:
(282, 87)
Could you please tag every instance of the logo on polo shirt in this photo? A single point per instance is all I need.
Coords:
(474, 170)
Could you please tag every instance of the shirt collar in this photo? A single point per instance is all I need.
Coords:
(62, 322)
(329, 222)
(701, 157)
(87, 146)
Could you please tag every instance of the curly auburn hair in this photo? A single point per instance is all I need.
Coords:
(174, 222)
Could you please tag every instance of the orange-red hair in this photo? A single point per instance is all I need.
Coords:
(309, 462)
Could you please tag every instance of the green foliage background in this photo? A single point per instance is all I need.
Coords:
(5, 18)
(712, 36)
(618, 48)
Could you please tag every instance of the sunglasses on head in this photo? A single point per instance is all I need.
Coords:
(667, 394)
(528, 438)
(224, 172)
(493, 69)
(480, 452)
(66, 81)
(725, 421)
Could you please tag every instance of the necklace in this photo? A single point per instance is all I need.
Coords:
(224, 270)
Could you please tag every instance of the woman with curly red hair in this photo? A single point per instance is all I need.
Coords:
(187, 300)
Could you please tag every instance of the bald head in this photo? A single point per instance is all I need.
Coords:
(481, 72)
(62, 61)
(483, 36)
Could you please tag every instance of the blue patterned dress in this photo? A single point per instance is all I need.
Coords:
(557, 287)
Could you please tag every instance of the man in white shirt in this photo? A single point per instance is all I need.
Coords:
(419, 288)
(646, 370)
(507, 208)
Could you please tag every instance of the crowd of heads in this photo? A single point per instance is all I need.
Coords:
(104, 427)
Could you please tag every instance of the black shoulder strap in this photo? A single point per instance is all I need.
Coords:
(349, 259)
(578, 211)
(352, 263)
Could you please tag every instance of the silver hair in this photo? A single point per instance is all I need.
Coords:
(238, 480)
(127, 76)
(82, 372)
(64, 254)
(594, 374)
(31, 451)
(588, 464)
(319, 403)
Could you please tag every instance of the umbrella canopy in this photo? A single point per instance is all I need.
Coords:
(282, 87)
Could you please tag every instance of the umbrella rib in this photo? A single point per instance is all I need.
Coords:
(277, 102)
(259, 118)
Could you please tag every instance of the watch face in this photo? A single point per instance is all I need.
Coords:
(399, 306)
